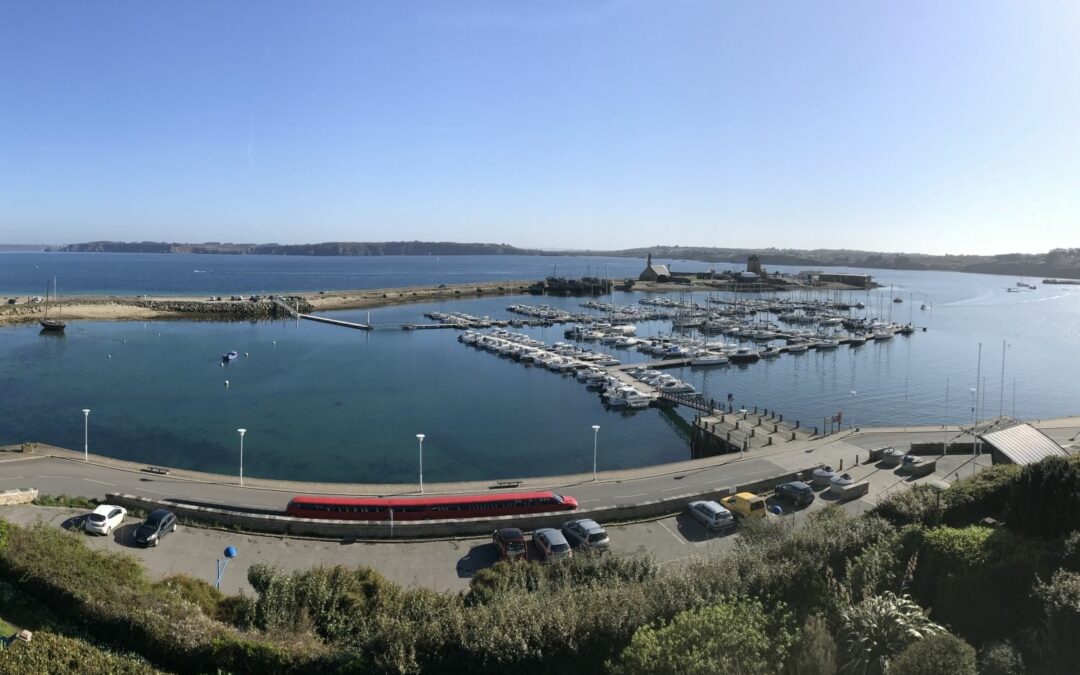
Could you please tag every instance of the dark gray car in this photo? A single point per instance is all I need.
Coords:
(796, 491)
(157, 525)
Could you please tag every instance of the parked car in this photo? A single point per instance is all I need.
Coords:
(745, 505)
(105, 519)
(510, 543)
(796, 491)
(157, 525)
(912, 460)
(552, 544)
(714, 517)
(587, 534)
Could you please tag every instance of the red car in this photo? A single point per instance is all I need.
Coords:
(510, 542)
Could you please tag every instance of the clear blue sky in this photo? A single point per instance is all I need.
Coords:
(903, 126)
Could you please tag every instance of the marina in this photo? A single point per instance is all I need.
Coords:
(323, 400)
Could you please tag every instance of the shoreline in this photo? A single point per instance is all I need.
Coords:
(164, 307)
(143, 308)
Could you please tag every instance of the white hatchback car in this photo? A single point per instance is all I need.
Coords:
(105, 519)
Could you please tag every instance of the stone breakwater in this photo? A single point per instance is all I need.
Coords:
(238, 310)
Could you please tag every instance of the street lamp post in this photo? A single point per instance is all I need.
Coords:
(945, 422)
(86, 434)
(595, 432)
(420, 437)
(242, 432)
(230, 553)
(974, 436)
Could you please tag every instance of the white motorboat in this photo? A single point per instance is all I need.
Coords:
(678, 387)
(706, 358)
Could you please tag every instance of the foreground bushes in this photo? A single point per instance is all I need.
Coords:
(60, 655)
(736, 635)
(108, 596)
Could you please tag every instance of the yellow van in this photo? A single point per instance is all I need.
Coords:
(745, 505)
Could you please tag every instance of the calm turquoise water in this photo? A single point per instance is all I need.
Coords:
(326, 403)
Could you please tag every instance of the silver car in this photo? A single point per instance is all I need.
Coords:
(587, 534)
(714, 517)
(551, 544)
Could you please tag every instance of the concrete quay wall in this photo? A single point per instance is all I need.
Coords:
(262, 521)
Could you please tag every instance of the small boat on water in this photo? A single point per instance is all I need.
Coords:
(744, 355)
(48, 325)
(229, 356)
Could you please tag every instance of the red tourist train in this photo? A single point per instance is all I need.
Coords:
(429, 508)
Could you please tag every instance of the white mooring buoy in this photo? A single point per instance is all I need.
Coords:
(226, 383)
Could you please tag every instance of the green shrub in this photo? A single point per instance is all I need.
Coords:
(979, 581)
(236, 610)
(195, 591)
(957, 550)
(108, 596)
(814, 652)
(60, 655)
(578, 572)
(735, 636)
(877, 629)
(1060, 599)
(66, 501)
(4, 527)
(919, 505)
(1045, 500)
(1000, 658)
(941, 654)
(985, 494)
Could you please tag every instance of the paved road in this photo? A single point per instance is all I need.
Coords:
(57, 476)
(441, 565)
(64, 474)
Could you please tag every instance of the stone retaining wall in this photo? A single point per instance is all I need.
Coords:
(11, 497)
(230, 517)
(228, 309)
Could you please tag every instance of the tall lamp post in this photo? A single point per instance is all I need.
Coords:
(595, 432)
(242, 432)
(420, 437)
(86, 434)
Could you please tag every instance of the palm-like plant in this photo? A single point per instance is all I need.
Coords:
(874, 631)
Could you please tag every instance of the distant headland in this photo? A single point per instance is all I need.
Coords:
(330, 248)
(1059, 262)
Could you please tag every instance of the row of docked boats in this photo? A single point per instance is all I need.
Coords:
(559, 357)
(586, 366)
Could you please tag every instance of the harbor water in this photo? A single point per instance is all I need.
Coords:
(327, 403)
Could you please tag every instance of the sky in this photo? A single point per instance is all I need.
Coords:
(919, 126)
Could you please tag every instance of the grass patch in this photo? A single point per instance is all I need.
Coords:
(66, 501)
(6, 629)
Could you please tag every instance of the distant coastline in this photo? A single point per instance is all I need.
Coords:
(1063, 262)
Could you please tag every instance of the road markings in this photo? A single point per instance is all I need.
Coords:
(167, 494)
(638, 494)
(587, 501)
(680, 487)
(12, 478)
(677, 537)
(99, 482)
(54, 476)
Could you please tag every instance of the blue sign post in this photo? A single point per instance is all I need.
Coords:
(230, 553)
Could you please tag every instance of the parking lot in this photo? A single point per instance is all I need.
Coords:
(446, 564)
